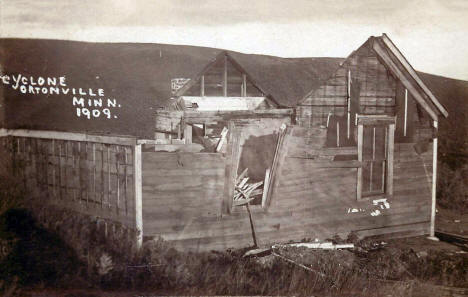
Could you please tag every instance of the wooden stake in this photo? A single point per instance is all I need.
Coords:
(254, 236)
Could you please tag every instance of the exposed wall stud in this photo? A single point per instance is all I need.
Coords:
(137, 167)
(406, 112)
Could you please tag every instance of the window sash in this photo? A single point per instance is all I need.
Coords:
(369, 184)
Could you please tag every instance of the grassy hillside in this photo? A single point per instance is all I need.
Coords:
(453, 94)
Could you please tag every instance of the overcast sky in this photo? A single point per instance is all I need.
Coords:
(432, 34)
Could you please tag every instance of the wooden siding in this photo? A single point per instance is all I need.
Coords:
(376, 90)
(182, 197)
(179, 189)
(168, 121)
(88, 177)
(323, 200)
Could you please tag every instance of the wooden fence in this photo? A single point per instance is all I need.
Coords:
(94, 175)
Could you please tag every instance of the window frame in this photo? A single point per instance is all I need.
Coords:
(389, 123)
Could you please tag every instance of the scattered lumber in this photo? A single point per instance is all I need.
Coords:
(318, 245)
(260, 252)
(245, 193)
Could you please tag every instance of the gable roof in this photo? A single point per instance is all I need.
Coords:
(394, 60)
(287, 80)
(401, 68)
(142, 70)
(192, 81)
(284, 80)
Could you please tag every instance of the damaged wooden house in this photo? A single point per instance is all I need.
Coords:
(213, 149)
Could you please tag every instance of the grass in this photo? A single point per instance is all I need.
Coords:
(452, 187)
(40, 258)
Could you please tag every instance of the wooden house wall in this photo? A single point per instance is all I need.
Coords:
(377, 90)
(88, 177)
(180, 192)
(323, 200)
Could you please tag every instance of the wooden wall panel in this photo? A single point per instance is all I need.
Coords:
(323, 200)
(178, 188)
(377, 90)
(88, 177)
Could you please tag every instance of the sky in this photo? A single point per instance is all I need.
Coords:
(432, 34)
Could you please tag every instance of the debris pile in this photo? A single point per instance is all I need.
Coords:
(245, 192)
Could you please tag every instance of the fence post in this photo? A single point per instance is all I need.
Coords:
(138, 195)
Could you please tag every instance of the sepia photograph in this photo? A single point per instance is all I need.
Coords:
(233, 148)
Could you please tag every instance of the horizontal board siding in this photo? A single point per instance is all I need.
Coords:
(182, 199)
(322, 197)
(377, 90)
(178, 188)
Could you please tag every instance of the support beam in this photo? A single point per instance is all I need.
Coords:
(188, 134)
(138, 195)
(434, 188)
(349, 104)
(390, 151)
(359, 171)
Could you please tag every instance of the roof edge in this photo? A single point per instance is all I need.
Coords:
(397, 53)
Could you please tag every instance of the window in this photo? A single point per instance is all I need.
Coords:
(375, 151)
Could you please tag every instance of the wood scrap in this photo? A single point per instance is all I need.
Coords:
(266, 183)
(222, 140)
(242, 175)
(244, 193)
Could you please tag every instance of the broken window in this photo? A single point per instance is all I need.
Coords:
(375, 151)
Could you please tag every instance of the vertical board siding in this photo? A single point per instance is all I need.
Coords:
(88, 177)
